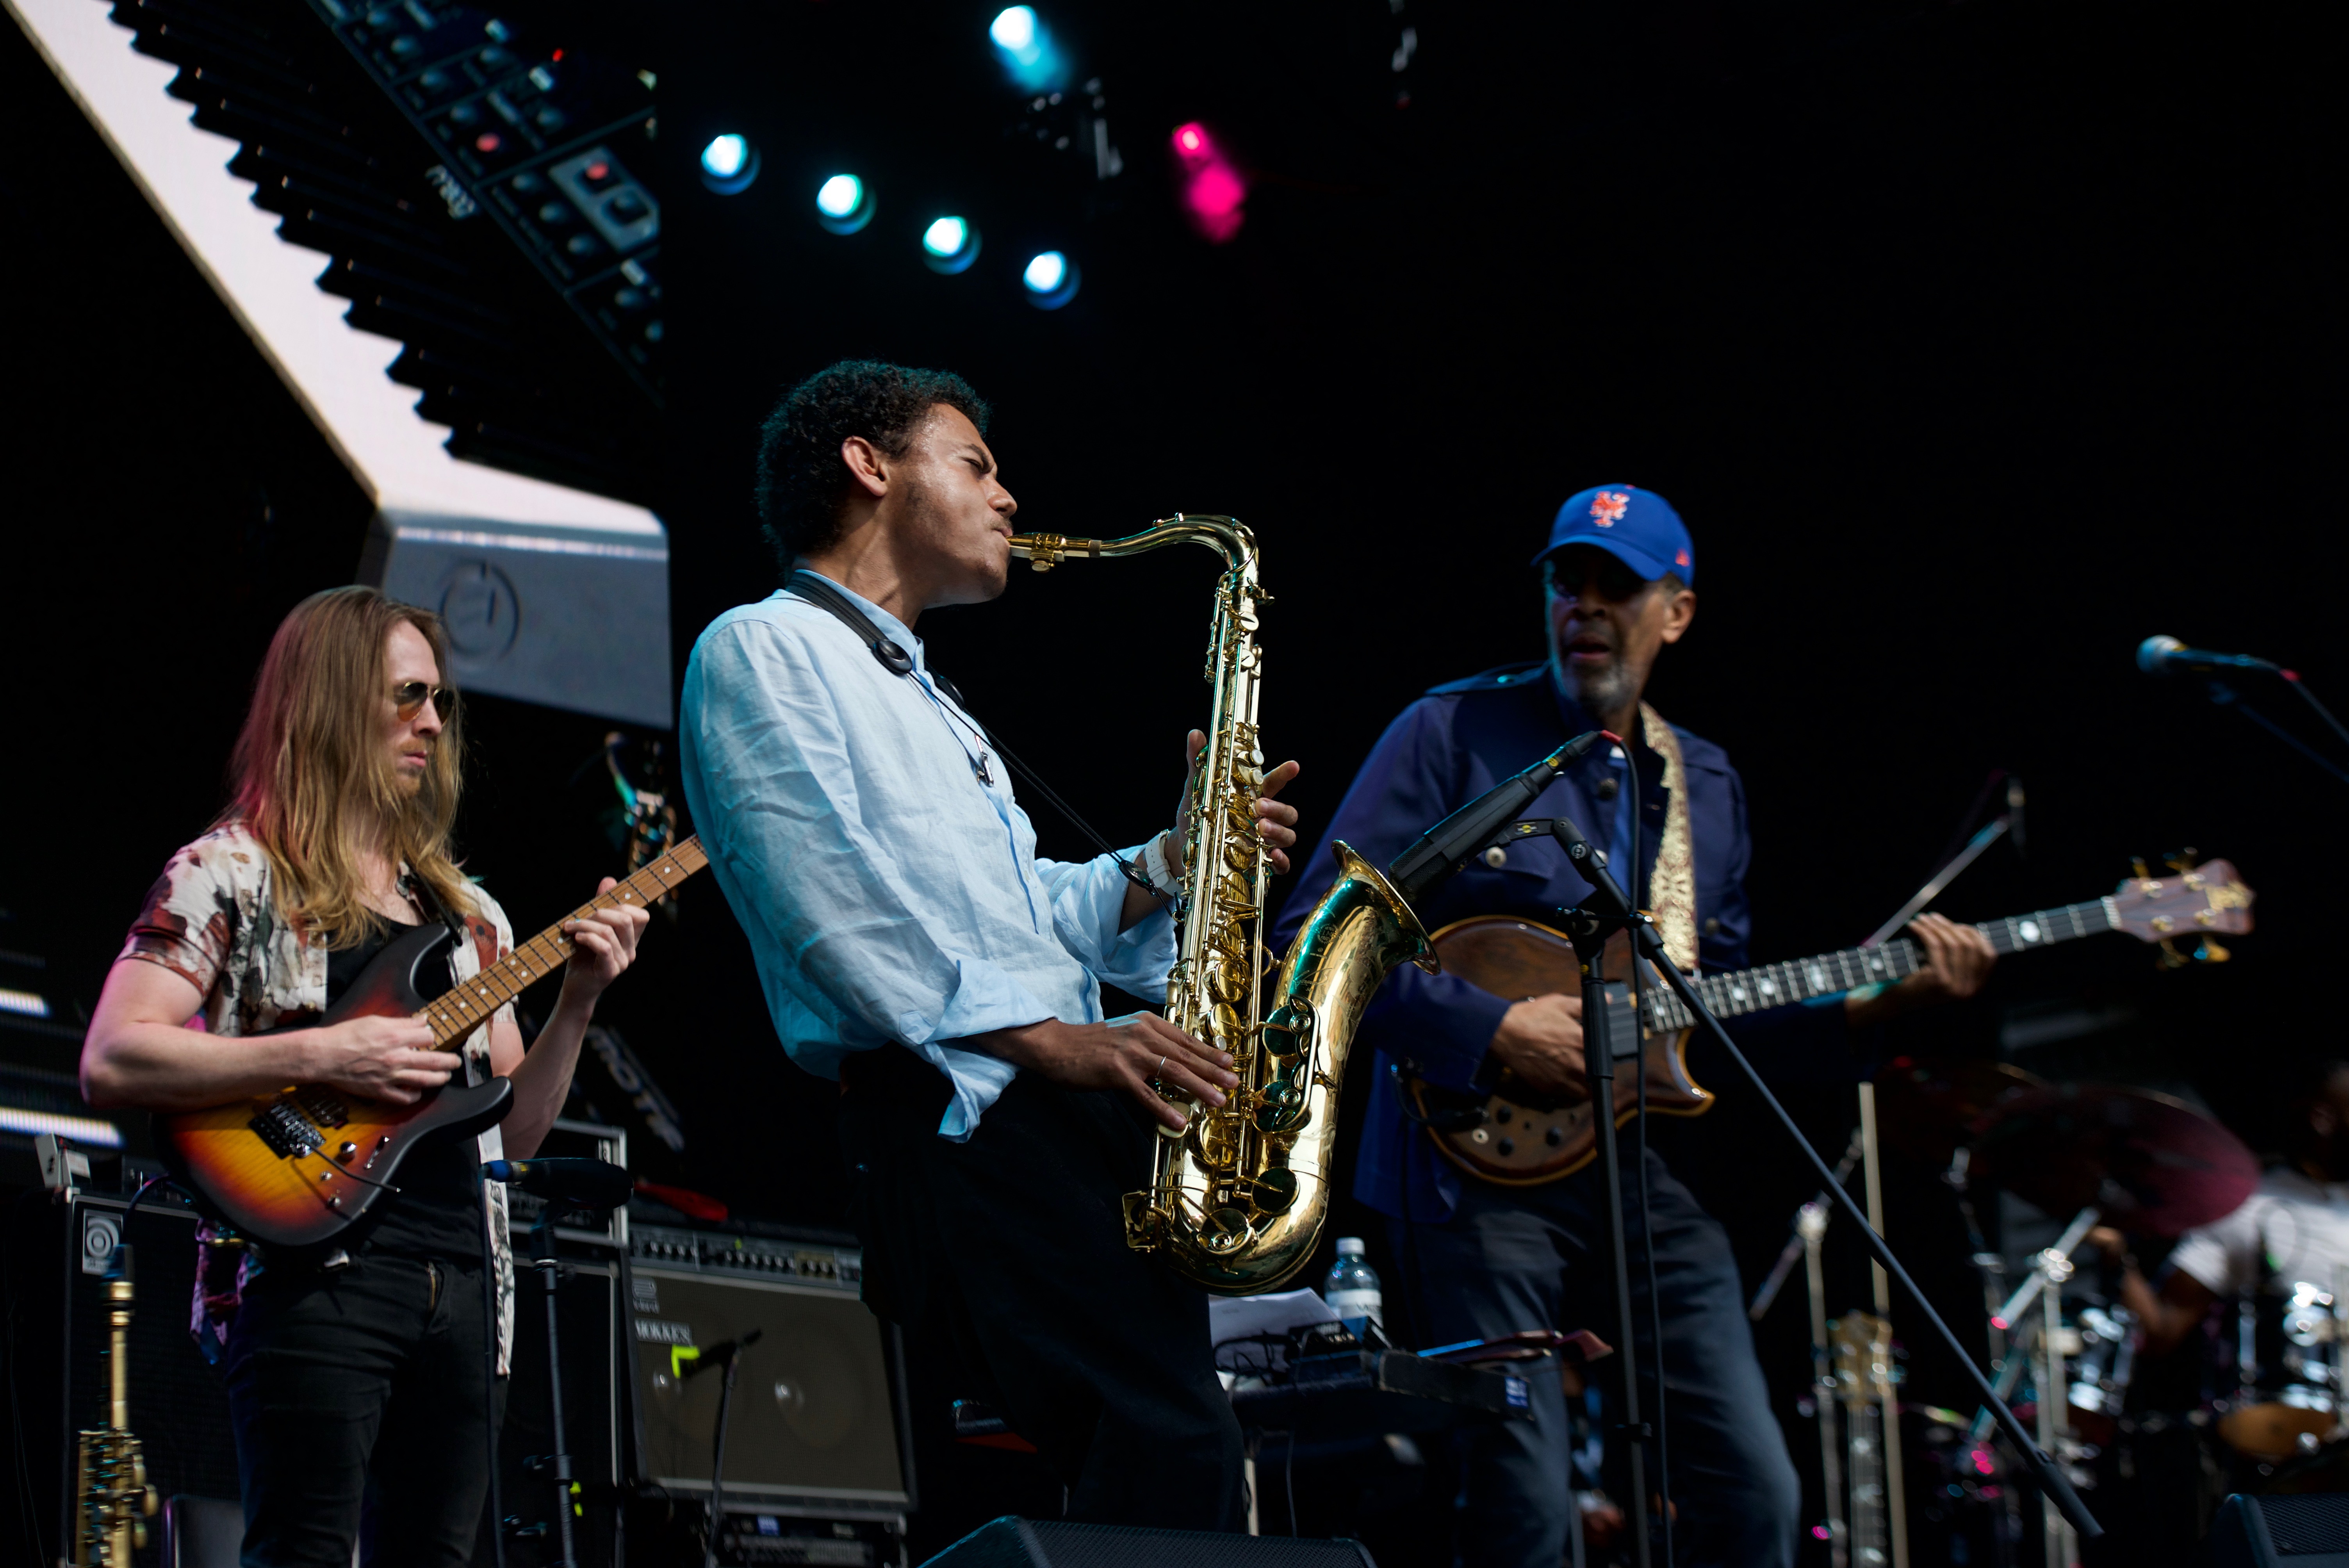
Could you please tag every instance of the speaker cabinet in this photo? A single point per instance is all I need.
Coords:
(2305, 1531)
(817, 1426)
(1011, 1542)
(57, 1255)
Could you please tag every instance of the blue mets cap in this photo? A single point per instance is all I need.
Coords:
(1637, 527)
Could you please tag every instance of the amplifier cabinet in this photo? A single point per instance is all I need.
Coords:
(818, 1427)
(57, 1319)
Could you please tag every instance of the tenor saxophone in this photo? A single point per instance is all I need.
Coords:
(111, 1498)
(1236, 1199)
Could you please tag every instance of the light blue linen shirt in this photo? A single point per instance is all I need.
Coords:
(888, 894)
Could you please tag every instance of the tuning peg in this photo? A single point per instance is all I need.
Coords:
(2183, 860)
(2169, 957)
(2209, 951)
(2136, 868)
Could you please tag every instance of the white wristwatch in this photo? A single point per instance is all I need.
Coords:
(1157, 866)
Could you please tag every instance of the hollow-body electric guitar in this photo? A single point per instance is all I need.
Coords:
(1518, 1138)
(298, 1166)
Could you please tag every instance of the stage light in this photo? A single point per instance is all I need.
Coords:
(729, 164)
(1215, 193)
(1029, 56)
(843, 204)
(949, 245)
(1051, 280)
(1014, 29)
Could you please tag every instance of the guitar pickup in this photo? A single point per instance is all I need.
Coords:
(289, 1133)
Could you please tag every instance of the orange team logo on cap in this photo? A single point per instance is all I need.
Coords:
(1607, 506)
(1680, 559)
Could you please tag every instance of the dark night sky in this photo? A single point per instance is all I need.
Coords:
(1976, 342)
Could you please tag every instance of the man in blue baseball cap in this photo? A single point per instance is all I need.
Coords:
(1484, 1247)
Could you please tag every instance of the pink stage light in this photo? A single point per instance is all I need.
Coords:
(1215, 193)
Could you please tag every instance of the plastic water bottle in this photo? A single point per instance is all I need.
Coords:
(1352, 1289)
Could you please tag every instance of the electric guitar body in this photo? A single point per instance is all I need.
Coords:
(1518, 1137)
(297, 1167)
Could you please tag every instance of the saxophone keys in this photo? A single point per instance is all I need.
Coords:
(1275, 1191)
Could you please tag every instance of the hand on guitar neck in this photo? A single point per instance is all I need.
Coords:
(1958, 960)
(1539, 1039)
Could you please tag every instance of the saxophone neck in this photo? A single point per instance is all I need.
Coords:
(1227, 536)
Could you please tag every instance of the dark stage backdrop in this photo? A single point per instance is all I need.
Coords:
(1976, 342)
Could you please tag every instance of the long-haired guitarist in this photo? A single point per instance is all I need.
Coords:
(356, 1369)
(1482, 1259)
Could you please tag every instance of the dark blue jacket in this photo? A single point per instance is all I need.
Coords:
(1447, 749)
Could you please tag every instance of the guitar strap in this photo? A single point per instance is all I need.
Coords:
(1671, 892)
(420, 889)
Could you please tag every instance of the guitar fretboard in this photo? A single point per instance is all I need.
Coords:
(469, 1005)
(1831, 973)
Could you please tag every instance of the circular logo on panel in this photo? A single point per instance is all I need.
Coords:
(481, 608)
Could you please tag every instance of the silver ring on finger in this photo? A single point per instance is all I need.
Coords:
(1160, 1076)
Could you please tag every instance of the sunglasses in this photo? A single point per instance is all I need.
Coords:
(408, 697)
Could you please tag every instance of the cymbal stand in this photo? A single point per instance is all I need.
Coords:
(2042, 1288)
(1614, 908)
(1792, 1253)
(1810, 1232)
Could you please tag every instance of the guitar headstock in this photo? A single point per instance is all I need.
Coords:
(1863, 1355)
(2199, 902)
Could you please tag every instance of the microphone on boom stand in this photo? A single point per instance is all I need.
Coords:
(2166, 655)
(1445, 848)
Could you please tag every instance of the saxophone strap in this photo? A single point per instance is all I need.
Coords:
(817, 591)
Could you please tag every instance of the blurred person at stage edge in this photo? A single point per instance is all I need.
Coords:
(1480, 1259)
(912, 946)
(2293, 1231)
(356, 1368)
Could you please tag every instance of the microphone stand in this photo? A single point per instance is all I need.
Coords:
(1607, 910)
(1590, 933)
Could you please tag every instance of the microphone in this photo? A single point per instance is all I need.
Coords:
(582, 1183)
(1445, 848)
(2160, 655)
(687, 1368)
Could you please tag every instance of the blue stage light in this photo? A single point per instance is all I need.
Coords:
(843, 204)
(1046, 273)
(1029, 56)
(949, 245)
(729, 164)
(1014, 29)
(1051, 280)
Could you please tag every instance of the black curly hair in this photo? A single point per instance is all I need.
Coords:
(801, 479)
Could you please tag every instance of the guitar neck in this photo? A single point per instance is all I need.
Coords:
(466, 1006)
(1831, 973)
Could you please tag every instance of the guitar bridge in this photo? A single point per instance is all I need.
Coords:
(289, 1133)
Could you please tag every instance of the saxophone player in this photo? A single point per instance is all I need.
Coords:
(912, 946)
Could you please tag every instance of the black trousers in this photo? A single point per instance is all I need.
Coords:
(361, 1392)
(1532, 1258)
(1009, 1251)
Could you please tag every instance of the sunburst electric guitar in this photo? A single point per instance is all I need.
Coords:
(297, 1166)
(1518, 1138)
